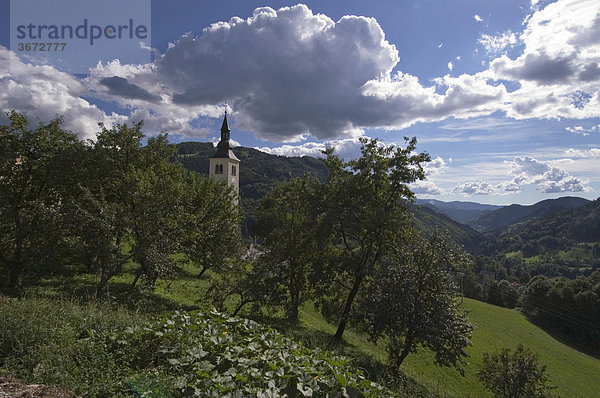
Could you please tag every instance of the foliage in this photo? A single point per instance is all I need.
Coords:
(413, 302)
(244, 281)
(514, 375)
(103, 203)
(101, 352)
(289, 233)
(364, 205)
(210, 223)
(35, 186)
(568, 306)
(58, 342)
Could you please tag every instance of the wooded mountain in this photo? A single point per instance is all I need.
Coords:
(563, 230)
(519, 213)
(461, 212)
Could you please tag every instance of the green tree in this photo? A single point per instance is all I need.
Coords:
(289, 232)
(413, 301)
(103, 215)
(210, 223)
(364, 205)
(37, 168)
(514, 374)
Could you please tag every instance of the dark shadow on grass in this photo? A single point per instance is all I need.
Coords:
(118, 293)
(564, 338)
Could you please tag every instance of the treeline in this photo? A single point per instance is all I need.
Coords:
(569, 306)
(94, 205)
(561, 231)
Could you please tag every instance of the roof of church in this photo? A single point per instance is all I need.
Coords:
(224, 147)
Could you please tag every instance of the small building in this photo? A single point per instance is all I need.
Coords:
(224, 165)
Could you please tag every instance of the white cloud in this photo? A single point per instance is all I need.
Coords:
(276, 94)
(43, 93)
(290, 74)
(589, 153)
(549, 179)
(475, 188)
(580, 130)
(478, 18)
(497, 44)
(347, 148)
(426, 187)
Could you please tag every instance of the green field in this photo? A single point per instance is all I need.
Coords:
(574, 373)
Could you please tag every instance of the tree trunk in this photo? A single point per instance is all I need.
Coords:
(15, 279)
(408, 343)
(347, 307)
(240, 306)
(202, 271)
(139, 273)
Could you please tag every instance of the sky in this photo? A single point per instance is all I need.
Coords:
(504, 95)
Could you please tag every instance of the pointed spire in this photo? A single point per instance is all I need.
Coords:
(225, 129)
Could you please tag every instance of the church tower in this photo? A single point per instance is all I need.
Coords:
(224, 165)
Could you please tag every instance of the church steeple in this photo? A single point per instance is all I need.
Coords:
(225, 131)
(224, 165)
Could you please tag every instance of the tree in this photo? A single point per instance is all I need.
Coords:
(37, 170)
(103, 217)
(514, 374)
(290, 236)
(414, 302)
(210, 223)
(364, 206)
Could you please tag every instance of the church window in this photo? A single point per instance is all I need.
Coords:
(233, 170)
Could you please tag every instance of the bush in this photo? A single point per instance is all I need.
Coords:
(514, 375)
(49, 342)
(103, 352)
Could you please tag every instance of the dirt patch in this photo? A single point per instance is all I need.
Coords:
(13, 388)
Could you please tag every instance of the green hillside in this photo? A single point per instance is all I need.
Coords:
(574, 373)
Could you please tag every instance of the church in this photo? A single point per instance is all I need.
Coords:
(224, 165)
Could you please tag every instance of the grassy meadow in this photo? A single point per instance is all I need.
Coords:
(574, 373)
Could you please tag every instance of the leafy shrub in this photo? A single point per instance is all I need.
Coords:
(212, 355)
(103, 352)
(61, 342)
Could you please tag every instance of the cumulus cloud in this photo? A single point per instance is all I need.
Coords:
(43, 93)
(475, 188)
(290, 74)
(588, 153)
(478, 18)
(426, 187)
(558, 68)
(549, 179)
(346, 148)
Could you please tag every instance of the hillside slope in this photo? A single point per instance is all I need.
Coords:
(518, 213)
(574, 373)
(462, 234)
(461, 212)
(564, 230)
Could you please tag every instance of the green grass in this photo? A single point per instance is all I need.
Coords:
(575, 374)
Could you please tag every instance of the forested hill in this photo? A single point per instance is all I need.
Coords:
(461, 212)
(259, 170)
(518, 213)
(560, 231)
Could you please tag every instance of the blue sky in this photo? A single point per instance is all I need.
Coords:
(504, 95)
